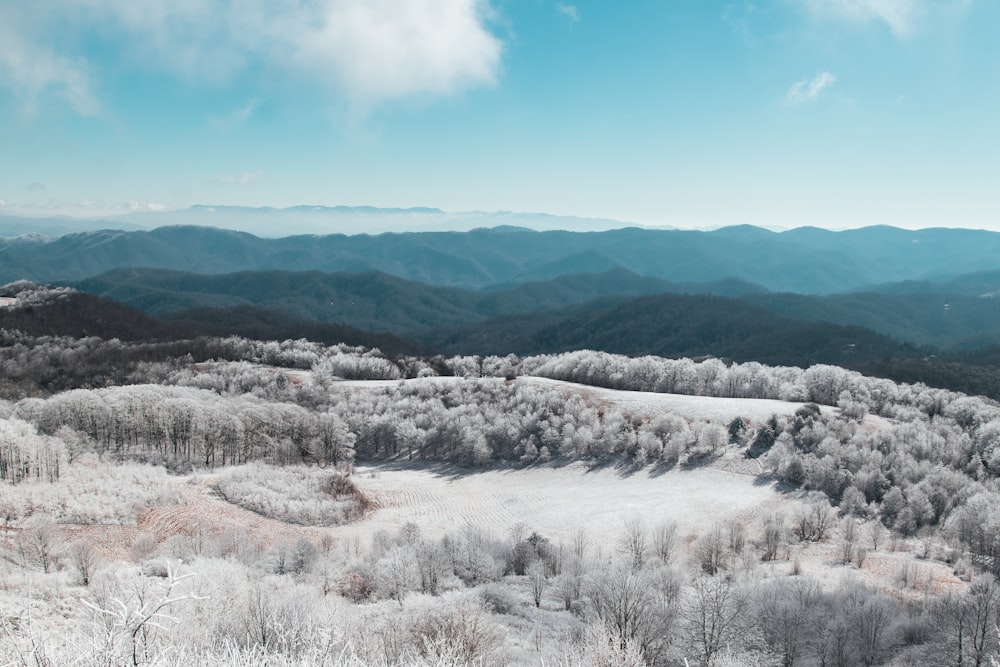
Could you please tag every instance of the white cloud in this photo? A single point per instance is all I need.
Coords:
(146, 206)
(30, 69)
(368, 51)
(234, 117)
(569, 11)
(246, 178)
(87, 208)
(808, 91)
(378, 50)
(903, 17)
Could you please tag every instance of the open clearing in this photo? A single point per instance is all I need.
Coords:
(706, 408)
(554, 501)
(557, 501)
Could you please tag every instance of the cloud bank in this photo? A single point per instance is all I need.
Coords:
(366, 51)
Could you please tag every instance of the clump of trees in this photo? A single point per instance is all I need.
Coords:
(294, 494)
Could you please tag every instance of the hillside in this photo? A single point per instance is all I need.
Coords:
(977, 283)
(278, 324)
(380, 302)
(933, 317)
(43, 311)
(674, 326)
(373, 300)
(38, 311)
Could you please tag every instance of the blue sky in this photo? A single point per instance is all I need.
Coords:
(690, 113)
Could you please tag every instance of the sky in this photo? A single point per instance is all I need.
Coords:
(687, 113)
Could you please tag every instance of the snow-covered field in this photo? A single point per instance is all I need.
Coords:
(557, 501)
(721, 410)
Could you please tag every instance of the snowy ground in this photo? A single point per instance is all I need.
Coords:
(720, 410)
(558, 501)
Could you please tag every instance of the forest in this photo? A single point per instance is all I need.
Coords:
(880, 544)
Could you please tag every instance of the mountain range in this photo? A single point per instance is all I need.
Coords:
(914, 305)
(380, 302)
(804, 261)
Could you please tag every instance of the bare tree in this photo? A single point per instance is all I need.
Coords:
(774, 536)
(813, 521)
(538, 581)
(715, 612)
(633, 542)
(432, 563)
(137, 617)
(397, 573)
(786, 611)
(635, 610)
(38, 543)
(876, 532)
(569, 584)
(85, 559)
(665, 541)
(580, 543)
(983, 602)
(736, 533)
(848, 538)
(711, 550)
(873, 621)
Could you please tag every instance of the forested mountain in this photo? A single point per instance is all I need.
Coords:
(375, 300)
(60, 312)
(381, 302)
(984, 284)
(674, 326)
(668, 324)
(278, 324)
(803, 260)
(924, 318)
(41, 311)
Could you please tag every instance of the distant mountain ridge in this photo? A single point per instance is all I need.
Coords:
(805, 260)
(268, 221)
